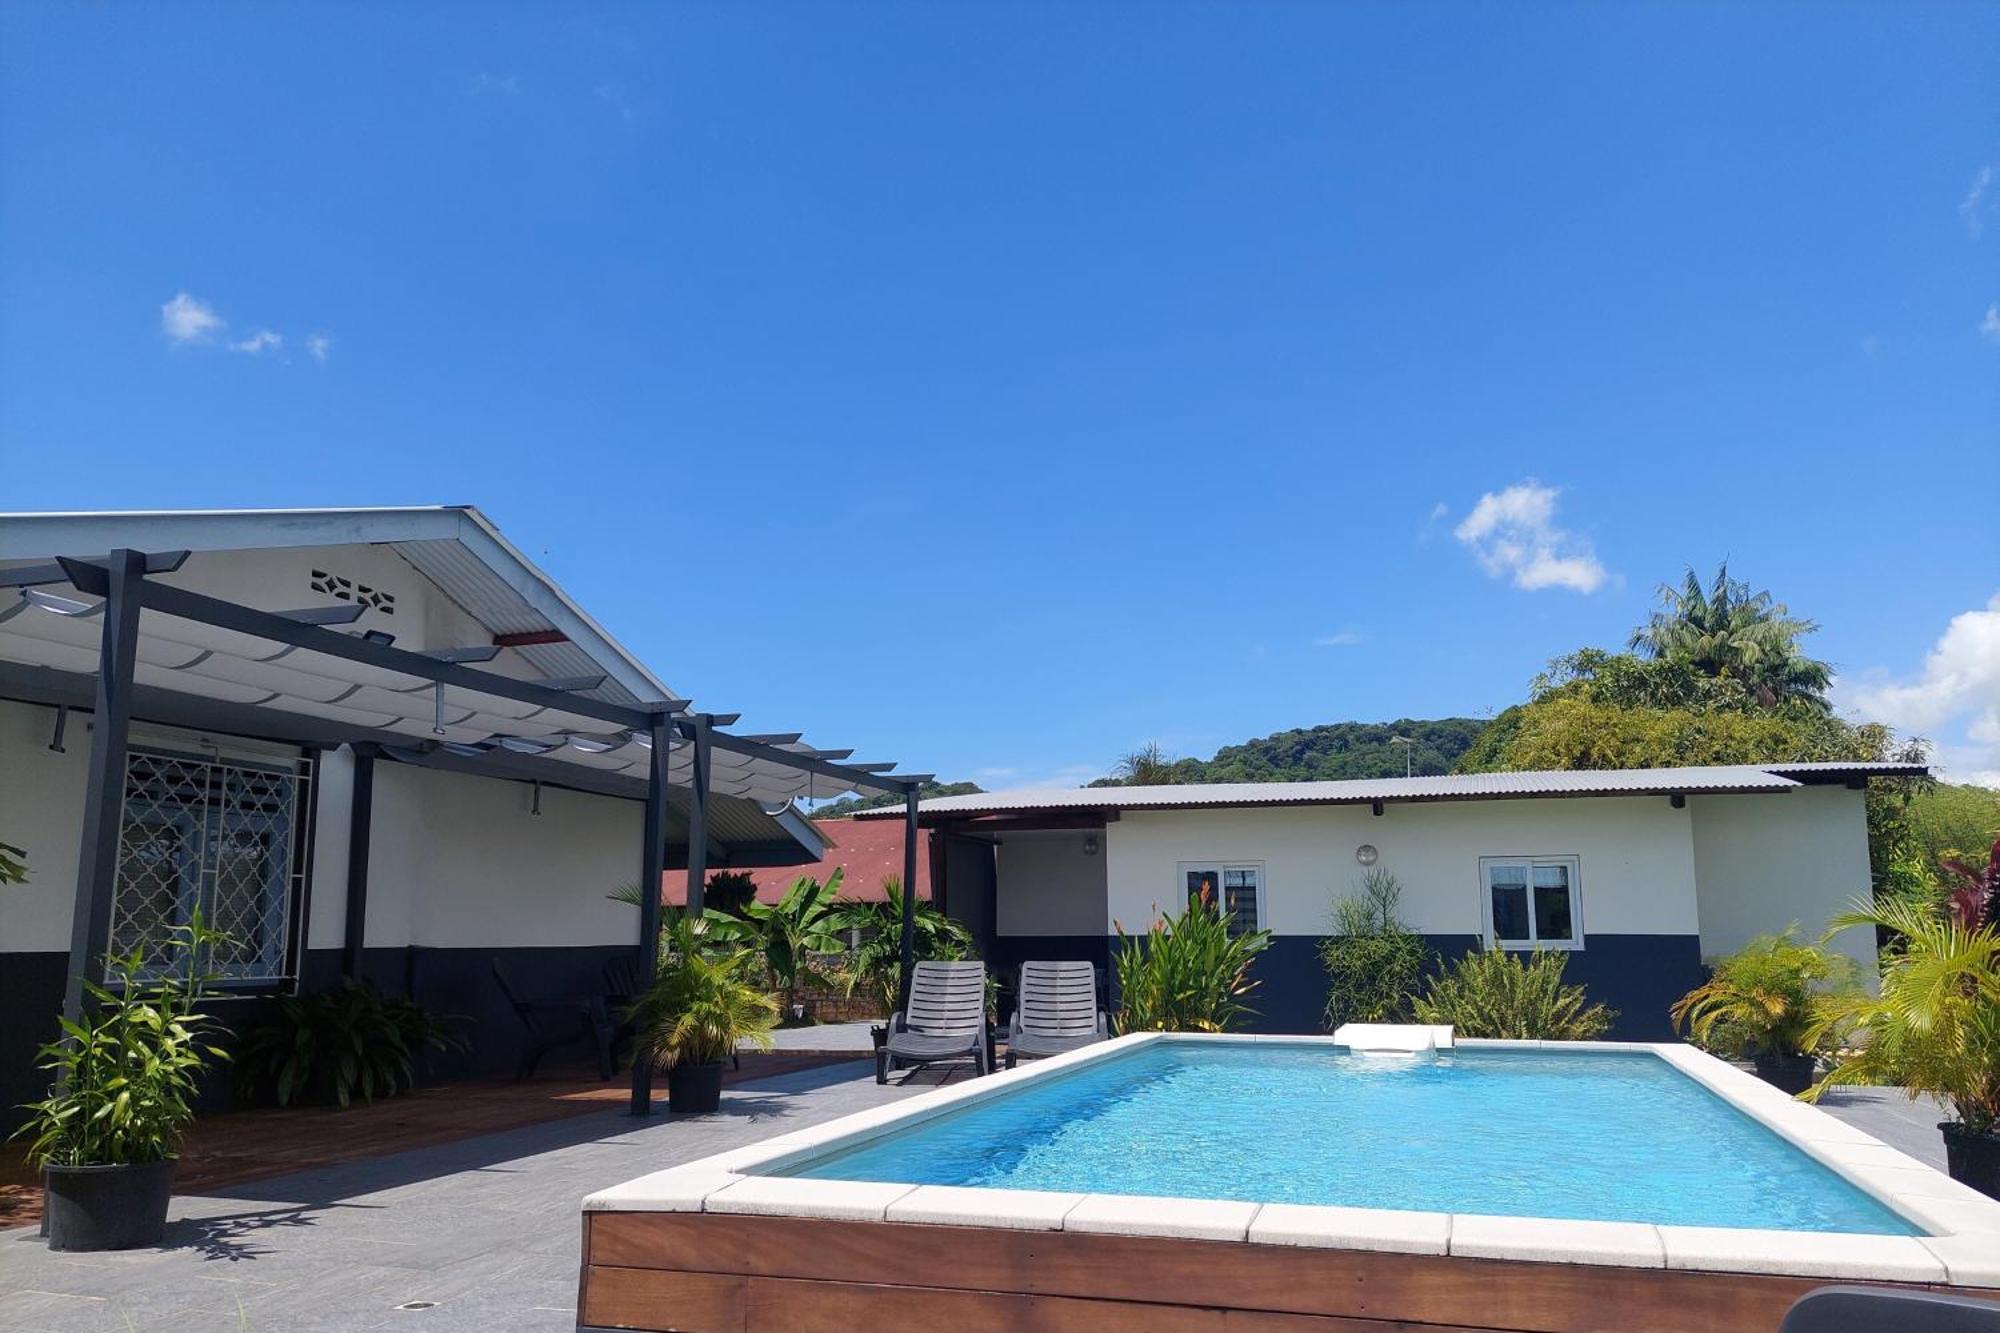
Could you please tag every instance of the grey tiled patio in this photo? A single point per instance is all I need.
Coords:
(486, 1229)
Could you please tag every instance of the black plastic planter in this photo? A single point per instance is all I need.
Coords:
(107, 1207)
(1786, 1073)
(694, 1089)
(1972, 1159)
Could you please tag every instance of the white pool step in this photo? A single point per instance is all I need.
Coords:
(1393, 1038)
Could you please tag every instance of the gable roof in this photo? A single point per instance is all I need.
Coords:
(1442, 787)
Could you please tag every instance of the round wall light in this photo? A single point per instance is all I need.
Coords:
(1366, 854)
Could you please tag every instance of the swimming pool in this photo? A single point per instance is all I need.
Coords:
(1166, 1179)
(1619, 1137)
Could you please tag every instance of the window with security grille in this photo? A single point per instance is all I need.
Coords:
(215, 835)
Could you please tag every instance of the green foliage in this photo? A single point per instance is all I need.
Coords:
(1373, 961)
(792, 934)
(1325, 753)
(1763, 999)
(1492, 993)
(13, 864)
(703, 1002)
(1727, 632)
(1946, 820)
(875, 965)
(1934, 1027)
(848, 805)
(730, 891)
(127, 1073)
(332, 1046)
(1188, 973)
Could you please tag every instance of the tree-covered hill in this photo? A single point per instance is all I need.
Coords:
(1325, 753)
(847, 805)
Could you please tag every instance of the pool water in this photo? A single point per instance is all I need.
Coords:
(1618, 1137)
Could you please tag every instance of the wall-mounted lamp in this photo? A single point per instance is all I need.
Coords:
(1366, 854)
(535, 807)
(1090, 844)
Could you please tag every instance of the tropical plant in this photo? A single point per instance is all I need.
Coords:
(876, 963)
(332, 1046)
(1726, 630)
(1147, 766)
(1492, 993)
(1373, 961)
(13, 864)
(1764, 998)
(1972, 891)
(1934, 1026)
(729, 891)
(793, 934)
(126, 1073)
(703, 1003)
(1187, 973)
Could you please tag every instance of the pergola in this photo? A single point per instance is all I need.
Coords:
(177, 653)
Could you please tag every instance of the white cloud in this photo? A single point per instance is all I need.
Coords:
(1513, 533)
(1990, 326)
(319, 346)
(186, 320)
(1960, 680)
(263, 340)
(505, 85)
(1972, 208)
(1343, 639)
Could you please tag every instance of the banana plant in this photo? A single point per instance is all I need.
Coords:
(791, 933)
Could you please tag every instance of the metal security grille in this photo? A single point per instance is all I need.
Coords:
(218, 835)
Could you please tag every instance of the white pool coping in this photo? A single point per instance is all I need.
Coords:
(1963, 1249)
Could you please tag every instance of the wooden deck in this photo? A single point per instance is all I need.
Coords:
(229, 1149)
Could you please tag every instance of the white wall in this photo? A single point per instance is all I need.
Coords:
(1047, 886)
(1763, 862)
(41, 812)
(461, 862)
(1635, 856)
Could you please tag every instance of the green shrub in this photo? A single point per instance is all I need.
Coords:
(1188, 973)
(339, 1044)
(729, 891)
(1492, 993)
(875, 965)
(1761, 1000)
(1373, 961)
(702, 1003)
(127, 1073)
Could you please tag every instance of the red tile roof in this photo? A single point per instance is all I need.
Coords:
(869, 851)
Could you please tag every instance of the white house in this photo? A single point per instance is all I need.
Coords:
(1639, 874)
(374, 742)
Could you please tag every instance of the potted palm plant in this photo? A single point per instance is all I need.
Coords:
(1933, 1028)
(1761, 1003)
(126, 1076)
(701, 1006)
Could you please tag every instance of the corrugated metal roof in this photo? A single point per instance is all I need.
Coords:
(1445, 787)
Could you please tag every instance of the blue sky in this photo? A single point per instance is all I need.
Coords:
(997, 387)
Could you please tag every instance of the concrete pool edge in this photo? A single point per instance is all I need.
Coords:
(1964, 1249)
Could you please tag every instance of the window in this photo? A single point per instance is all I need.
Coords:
(1236, 888)
(1532, 902)
(222, 836)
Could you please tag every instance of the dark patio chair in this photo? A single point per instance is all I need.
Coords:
(946, 1020)
(1876, 1310)
(556, 1020)
(1056, 1010)
(622, 985)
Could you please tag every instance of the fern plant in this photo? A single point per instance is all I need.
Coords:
(1187, 973)
(339, 1044)
(1492, 993)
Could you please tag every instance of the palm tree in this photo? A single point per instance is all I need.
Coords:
(1147, 766)
(1726, 630)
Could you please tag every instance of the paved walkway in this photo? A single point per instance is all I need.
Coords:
(486, 1229)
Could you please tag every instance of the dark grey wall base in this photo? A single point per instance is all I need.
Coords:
(31, 996)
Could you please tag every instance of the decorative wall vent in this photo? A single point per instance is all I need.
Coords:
(347, 590)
